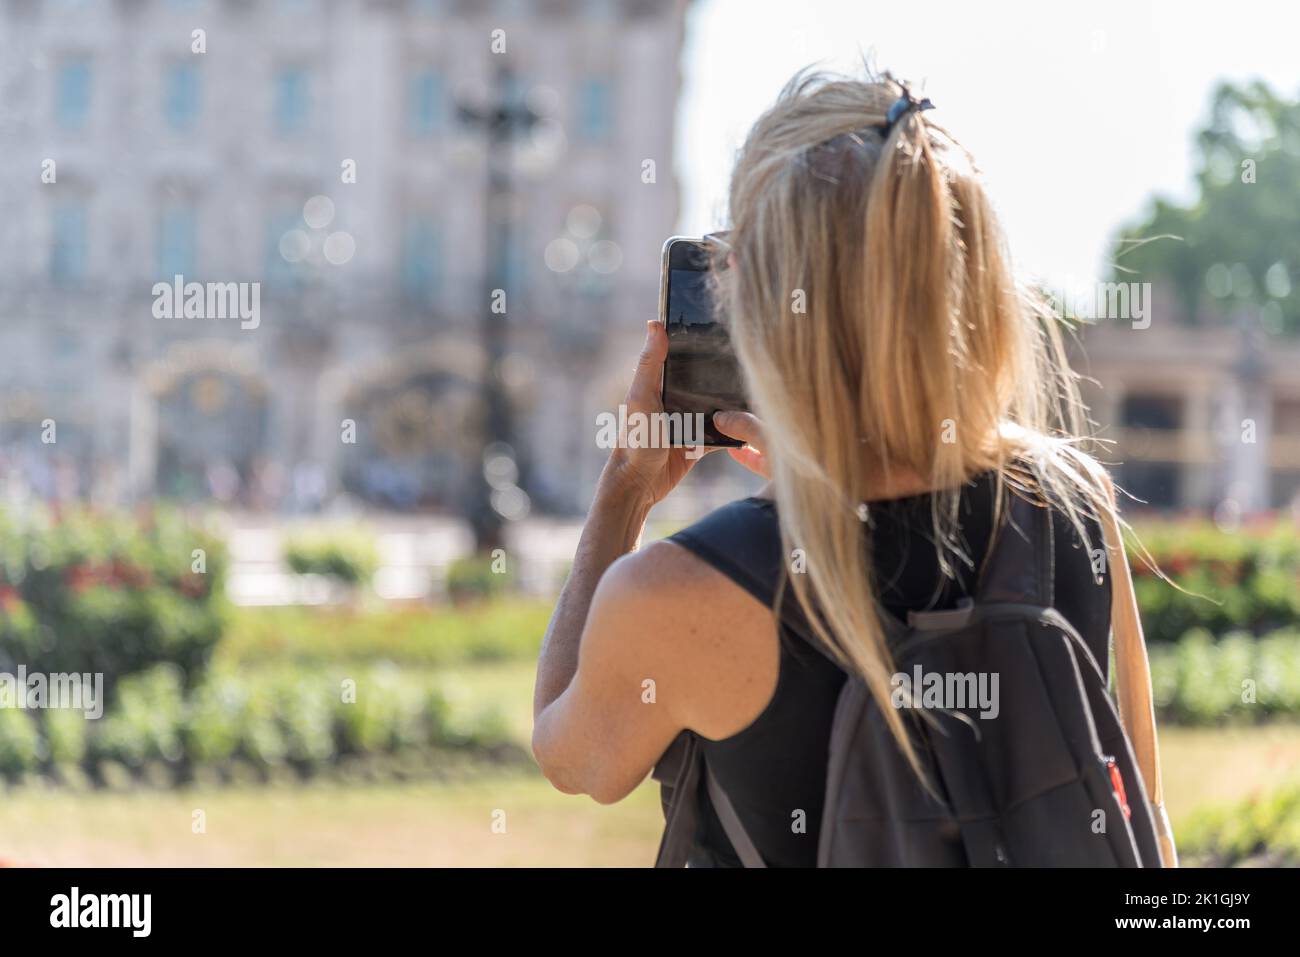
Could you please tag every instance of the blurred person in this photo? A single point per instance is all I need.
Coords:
(310, 484)
(922, 388)
(223, 480)
(266, 484)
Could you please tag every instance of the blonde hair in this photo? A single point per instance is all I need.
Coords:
(882, 333)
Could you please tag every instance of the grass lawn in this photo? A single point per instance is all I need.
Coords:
(1220, 765)
(452, 824)
(332, 824)
(323, 825)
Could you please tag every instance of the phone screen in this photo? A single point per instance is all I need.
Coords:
(701, 374)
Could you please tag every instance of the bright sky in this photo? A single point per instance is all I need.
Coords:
(1077, 113)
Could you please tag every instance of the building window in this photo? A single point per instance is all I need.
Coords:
(595, 109)
(427, 104)
(1152, 412)
(292, 100)
(515, 262)
(279, 269)
(421, 258)
(600, 10)
(68, 250)
(1286, 417)
(177, 242)
(1286, 489)
(181, 96)
(72, 94)
(1154, 483)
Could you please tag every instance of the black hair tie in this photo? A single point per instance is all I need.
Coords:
(901, 107)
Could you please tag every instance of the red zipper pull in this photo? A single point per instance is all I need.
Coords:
(1117, 785)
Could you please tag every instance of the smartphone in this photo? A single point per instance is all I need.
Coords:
(701, 373)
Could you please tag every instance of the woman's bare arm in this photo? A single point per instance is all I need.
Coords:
(613, 529)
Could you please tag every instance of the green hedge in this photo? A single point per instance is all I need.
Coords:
(1261, 830)
(270, 720)
(475, 578)
(349, 557)
(409, 635)
(1232, 581)
(1199, 680)
(87, 592)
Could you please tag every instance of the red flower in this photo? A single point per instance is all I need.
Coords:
(192, 586)
(9, 598)
(128, 575)
(79, 577)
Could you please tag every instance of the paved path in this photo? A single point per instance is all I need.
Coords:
(414, 554)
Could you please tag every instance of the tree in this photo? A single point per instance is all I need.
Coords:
(1238, 245)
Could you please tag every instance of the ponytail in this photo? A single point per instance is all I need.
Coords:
(916, 355)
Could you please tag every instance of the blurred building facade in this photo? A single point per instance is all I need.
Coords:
(1197, 418)
(130, 158)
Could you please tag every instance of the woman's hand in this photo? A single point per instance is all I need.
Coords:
(648, 474)
(747, 428)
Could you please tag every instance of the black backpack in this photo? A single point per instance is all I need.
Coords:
(1046, 777)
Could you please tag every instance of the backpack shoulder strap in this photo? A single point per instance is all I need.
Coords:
(1020, 567)
(741, 842)
(678, 773)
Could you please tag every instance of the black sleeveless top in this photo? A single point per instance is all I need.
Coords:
(776, 767)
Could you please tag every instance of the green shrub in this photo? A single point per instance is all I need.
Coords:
(1277, 667)
(484, 728)
(405, 635)
(213, 726)
(477, 578)
(20, 742)
(261, 736)
(113, 594)
(437, 714)
(1262, 829)
(1237, 679)
(307, 720)
(261, 724)
(348, 556)
(146, 721)
(65, 736)
(1231, 581)
(385, 714)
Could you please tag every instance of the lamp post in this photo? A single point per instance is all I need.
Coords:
(503, 119)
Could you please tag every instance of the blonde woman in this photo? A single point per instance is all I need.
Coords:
(918, 389)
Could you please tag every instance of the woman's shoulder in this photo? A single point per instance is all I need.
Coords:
(722, 566)
(741, 541)
(694, 560)
(695, 629)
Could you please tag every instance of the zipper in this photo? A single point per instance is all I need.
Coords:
(1117, 785)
